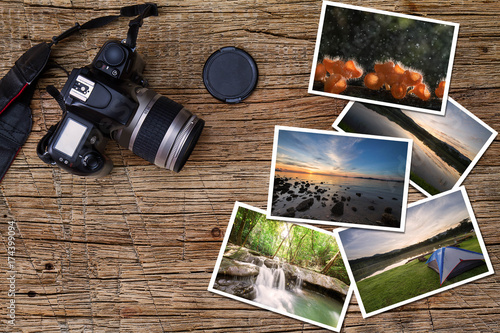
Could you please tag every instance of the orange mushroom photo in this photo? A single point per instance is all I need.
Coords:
(390, 59)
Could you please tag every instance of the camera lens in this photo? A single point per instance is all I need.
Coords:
(162, 131)
(114, 54)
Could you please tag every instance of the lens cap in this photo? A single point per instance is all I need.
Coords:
(230, 74)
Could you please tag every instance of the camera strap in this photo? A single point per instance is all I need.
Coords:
(18, 85)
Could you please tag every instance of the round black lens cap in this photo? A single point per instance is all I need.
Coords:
(230, 74)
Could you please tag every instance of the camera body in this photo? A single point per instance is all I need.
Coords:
(109, 100)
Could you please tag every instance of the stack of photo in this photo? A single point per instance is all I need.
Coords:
(400, 128)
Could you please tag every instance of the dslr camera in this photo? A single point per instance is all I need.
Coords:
(109, 99)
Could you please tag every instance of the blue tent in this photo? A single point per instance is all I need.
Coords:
(451, 261)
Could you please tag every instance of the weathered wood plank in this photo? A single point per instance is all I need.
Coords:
(134, 251)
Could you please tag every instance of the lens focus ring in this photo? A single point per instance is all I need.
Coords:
(154, 128)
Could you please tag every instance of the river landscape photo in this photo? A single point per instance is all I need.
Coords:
(287, 268)
(445, 148)
(326, 177)
(392, 269)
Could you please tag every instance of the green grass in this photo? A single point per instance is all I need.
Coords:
(407, 281)
(345, 127)
(423, 184)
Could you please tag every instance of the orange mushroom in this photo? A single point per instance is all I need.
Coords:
(421, 91)
(398, 69)
(386, 72)
(320, 74)
(333, 66)
(393, 78)
(385, 68)
(397, 79)
(398, 90)
(412, 78)
(440, 89)
(335, 84)
(396, 76)
(351, 71)
(373, 81)
(334, 74)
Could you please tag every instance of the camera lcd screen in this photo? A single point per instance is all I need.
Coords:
(70, 137)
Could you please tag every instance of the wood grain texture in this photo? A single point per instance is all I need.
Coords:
(134, 251)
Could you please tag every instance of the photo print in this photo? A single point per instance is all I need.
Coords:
(445, 148)
(391, 59)
(291, 269)
(441, 248)
(340, 179)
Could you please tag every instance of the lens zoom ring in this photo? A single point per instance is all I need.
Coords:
(154, 127)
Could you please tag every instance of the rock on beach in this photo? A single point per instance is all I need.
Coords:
(304, 205)
(338, 208)
(389, 220)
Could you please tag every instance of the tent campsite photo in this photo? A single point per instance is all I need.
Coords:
(441, 248)
(451, 261)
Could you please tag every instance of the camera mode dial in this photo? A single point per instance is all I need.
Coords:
(113, 54)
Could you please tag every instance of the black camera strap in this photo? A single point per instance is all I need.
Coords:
(141, 11)
(17, 86)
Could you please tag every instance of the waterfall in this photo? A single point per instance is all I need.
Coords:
(298, 282)
(272, 293)
(279, 279)
(265, 277)
(272, 278)
(270, 288)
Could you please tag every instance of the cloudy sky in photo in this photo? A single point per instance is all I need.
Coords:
(339, 155)
(456, 128)
(423, 221)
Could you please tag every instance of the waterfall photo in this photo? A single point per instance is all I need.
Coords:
(442, 248)
(350, 180)
(291, 269)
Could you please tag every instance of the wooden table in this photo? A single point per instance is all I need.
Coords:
(134, 251)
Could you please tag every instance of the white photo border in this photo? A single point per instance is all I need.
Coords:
(211, 288)
(334, 223)
(433, 292)
(473, 163)
(383, 12)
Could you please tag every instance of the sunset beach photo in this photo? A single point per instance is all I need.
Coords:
(339, 179)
